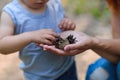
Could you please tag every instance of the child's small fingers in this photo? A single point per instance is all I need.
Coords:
(52, 33)
(73, 26)
(41, 45)
(50, 38)
(66, 21)
(69, 25)
(48, 42)
(61, 23)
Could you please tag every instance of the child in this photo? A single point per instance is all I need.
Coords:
(26, 23)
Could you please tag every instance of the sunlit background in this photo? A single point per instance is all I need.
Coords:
(90, 16)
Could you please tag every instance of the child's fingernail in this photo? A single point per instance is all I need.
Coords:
(60, 26)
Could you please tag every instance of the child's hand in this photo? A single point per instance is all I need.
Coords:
(67, 24)
(45, 36)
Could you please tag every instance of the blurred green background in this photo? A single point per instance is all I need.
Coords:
(97, 8)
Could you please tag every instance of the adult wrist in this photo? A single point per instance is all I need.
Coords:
(95, 43)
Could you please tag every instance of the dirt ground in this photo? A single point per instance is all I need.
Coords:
(9, 63)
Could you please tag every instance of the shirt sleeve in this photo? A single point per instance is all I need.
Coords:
(8, 10)
(57, 4)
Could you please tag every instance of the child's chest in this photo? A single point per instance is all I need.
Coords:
(38, 24)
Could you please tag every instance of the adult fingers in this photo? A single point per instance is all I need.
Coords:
(54, 50)
(72, 46)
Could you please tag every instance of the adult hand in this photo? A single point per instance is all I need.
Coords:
(59, 51)
(84, 42)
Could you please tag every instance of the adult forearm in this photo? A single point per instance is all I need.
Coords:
(10, 44)
(112, 58)
(109, 45)
(109, 49)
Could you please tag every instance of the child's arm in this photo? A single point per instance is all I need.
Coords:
(10, 43)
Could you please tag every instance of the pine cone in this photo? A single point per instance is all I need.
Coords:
(60, 43)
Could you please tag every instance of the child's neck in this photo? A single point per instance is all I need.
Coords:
(33, 10)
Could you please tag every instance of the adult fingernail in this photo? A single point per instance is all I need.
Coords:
(66, 48)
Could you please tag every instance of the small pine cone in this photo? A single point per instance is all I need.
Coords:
(60, 43)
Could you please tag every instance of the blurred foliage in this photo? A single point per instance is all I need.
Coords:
(97, 8)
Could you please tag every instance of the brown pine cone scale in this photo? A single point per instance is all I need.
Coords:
(60, 43)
